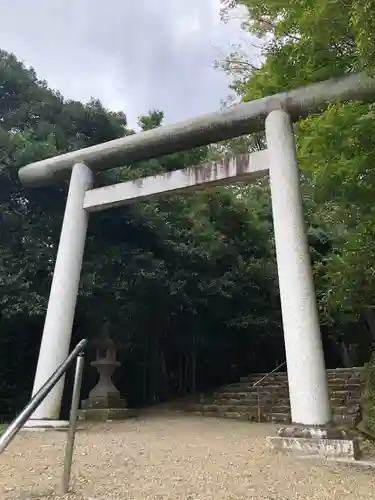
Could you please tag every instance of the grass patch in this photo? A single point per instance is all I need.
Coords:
(3, 427)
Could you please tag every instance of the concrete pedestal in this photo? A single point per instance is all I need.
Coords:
(45, 425)
(326, 442)
(103, 409)
(106, 414)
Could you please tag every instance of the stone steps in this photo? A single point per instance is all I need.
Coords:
(240, 400)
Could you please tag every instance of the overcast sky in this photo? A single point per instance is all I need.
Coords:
(133, 55)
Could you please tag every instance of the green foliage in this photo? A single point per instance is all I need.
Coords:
(304, 42)
(187, 284)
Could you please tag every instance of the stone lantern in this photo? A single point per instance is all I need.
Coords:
(104, 401)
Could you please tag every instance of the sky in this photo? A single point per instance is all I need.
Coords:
(133, 56)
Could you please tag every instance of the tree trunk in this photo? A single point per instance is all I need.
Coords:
(186, 371)
(145, 369)
(165, 389)
(193, 364)
(370, 321)
(154, 369)
(345, 355)
(180, 375)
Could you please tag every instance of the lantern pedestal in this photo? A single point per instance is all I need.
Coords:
(105, 402)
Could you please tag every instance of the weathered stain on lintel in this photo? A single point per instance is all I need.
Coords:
(225, 171)
(225, 168)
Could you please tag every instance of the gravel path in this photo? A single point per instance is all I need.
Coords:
(173, 457)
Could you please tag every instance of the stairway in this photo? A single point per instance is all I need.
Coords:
(240, 400)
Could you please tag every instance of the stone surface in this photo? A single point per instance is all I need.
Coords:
(105, 363)
(317, 447)
(329, 431)
(106, 414)
(241, 398)
(323, 442)
(174, 458)
(103, 402)
(45, 425)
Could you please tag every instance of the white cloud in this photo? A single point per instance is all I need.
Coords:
(134, 56)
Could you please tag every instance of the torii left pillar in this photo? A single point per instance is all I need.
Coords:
(58, 324)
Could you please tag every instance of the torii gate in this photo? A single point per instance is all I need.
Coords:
(306, 367)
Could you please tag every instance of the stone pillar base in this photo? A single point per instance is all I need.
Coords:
(327, 442)
(105, 414)
(45, 425)
(103, 403)
(105, 409)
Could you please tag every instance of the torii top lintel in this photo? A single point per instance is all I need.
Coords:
(233, 121)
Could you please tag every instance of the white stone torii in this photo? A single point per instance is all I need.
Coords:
(304, 353)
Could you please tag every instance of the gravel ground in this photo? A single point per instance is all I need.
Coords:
(173, 457)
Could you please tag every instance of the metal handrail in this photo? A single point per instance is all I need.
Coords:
(12, 430)
(270, 373)
(257, 383)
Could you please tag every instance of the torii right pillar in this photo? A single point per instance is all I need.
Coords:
(311, 431)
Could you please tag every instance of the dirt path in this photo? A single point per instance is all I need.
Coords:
(169, 457)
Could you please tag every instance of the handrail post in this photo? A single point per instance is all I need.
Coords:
(72, 422)
(258, 398)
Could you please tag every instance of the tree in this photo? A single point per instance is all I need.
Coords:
(304, 42)
(187, 284)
